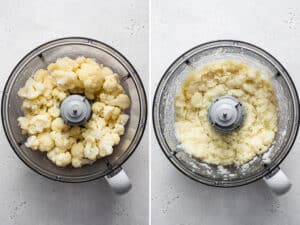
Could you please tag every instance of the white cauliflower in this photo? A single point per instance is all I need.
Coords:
(78, 159)
(91, 76)
(58, 124)
(42, 96)
(58, 94)
(40, 75)
(46, 142)
(108, 112)
(62, 140)
(91, 151)
(54, 111)
(31, 90)
(123, 118)
(35, 124)
(32, 142)
(66, 80)
(65, 64)
(106, 143)
(121, 101)
(110, 83)
(98, 108)
(119, 129)
(59, 157)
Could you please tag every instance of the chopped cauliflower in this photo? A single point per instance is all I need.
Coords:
(91, 151)
(32, 142)
(121, 101)
(31, 90)
(75, 145)
(110, 83)
(35, 124)
(58, 124)
(91, 75)
(65, 79)
(60, 157)
(46, 142)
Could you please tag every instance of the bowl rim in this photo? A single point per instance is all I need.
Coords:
(157, 129)
(86, 177)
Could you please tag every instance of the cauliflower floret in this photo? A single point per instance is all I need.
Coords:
(36, 106)
(123, 118)
(81, 60)
(80, 162)
(23, 123)
(45, 142)
(108, 112)
(58, 124)
(40, 75)
(59, 94)
(65, 64)
(49, 84)
(106, 71)
(66, 80)
(62, 140)
(77, 150)
(106, 98)
(31, 90)
(110, 83)
(75, 132)
(91, 76)
(78, 159)
(96, 122)
(116, 138)
(119, 129)
(98, 108)
(59, 157)
(54, 111)
(38, 123)
(121, 101)
(89, 93)
(91, 151)
(32, 142)
(92, 134)
(106, 144)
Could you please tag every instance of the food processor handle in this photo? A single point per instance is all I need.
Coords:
(278, 181)
(118, 181)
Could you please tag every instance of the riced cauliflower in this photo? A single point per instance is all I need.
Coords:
(239, 80)
(42, 95)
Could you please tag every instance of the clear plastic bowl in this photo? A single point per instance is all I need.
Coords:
(73, 47)
(164, 113)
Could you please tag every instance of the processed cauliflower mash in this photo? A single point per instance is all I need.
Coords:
(241, 81)
(46, 130)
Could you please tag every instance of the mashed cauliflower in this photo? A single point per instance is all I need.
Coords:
(239, 80)
(46, 130)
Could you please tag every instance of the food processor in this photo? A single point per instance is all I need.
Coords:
(226, 114)
(75, 110)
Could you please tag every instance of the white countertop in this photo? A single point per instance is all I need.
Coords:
(180, 25)
(28, 198)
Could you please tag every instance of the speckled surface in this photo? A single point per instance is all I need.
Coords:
(180, 25)
(27, 198)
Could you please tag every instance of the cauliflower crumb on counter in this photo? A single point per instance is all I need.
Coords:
(46, 130)
(236, 79)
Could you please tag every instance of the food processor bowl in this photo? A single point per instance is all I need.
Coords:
(288, 116)
(74, 47)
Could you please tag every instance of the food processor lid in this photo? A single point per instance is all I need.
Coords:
(75, 110)
(226, 113)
